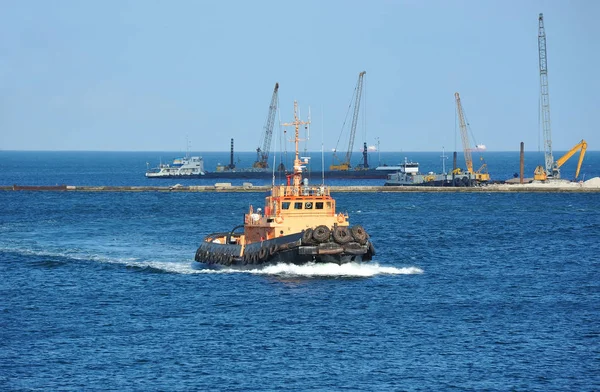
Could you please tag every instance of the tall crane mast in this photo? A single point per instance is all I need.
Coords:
(464, 134)
(479, 175)
(545, 101)
(262, 154)
(345, 165)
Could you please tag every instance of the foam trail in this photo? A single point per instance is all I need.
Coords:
(190, 267)
(179, 267)
(331, 269)
(282, 269)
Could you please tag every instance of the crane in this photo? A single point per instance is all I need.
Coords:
(262, 154)
(480, 175)
(345, 164)
(550, 169)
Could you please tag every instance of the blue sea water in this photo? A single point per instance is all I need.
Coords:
(467, 292)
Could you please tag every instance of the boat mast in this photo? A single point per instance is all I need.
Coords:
(187, 147)
(297, 162)
(444, 157)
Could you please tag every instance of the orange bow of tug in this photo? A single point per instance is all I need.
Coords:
(299, 225)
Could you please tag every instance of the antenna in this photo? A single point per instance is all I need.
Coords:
(307, 127)
(307, 133)
(273, 183)
(187, 148)
(274, 163)
(282, 139)
(444, 157)
(322, 151)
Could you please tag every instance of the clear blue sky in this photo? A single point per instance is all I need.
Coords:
(144, 75)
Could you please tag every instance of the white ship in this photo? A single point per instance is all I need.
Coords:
(187, 167)
(409, 175)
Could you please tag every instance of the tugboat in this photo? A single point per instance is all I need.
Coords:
(299, 225)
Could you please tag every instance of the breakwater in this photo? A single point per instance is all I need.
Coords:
(492, 188)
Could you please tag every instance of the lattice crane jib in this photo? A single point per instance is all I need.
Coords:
(359, 86)
(262, 154)
(464, 135)
(545, 100)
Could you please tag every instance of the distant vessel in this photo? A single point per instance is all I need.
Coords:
(380, 172)
(388, 169)
(299, 225)
(409, 175)
(186, 167)
(480, 147)
(231, 171)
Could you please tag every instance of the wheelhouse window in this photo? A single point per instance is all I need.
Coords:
(298, 205)
(308, 205)
(285, 205)
(319, 205)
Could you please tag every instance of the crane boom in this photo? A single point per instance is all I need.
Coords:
(481, 174)
(464, 134)
(345, 165)
(545, 99)
(262, 155)
(359, 85)
(551, 170)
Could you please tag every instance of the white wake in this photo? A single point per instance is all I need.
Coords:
(282, 269)
(335, 270)
(191, 267)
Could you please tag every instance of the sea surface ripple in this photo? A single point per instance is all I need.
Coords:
(467, 292)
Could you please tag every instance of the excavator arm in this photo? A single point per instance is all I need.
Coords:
(582, 145)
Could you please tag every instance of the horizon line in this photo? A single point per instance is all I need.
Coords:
(291, 152)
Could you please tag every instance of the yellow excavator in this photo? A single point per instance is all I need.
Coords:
(540, 173)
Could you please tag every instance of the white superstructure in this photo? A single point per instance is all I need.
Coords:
(187, 167)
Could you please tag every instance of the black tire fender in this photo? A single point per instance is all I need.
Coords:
(359, 234)
(342, 235)
(263, 253)
(307, 236)
(321, 233)
(273, 249)
(371, 249)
